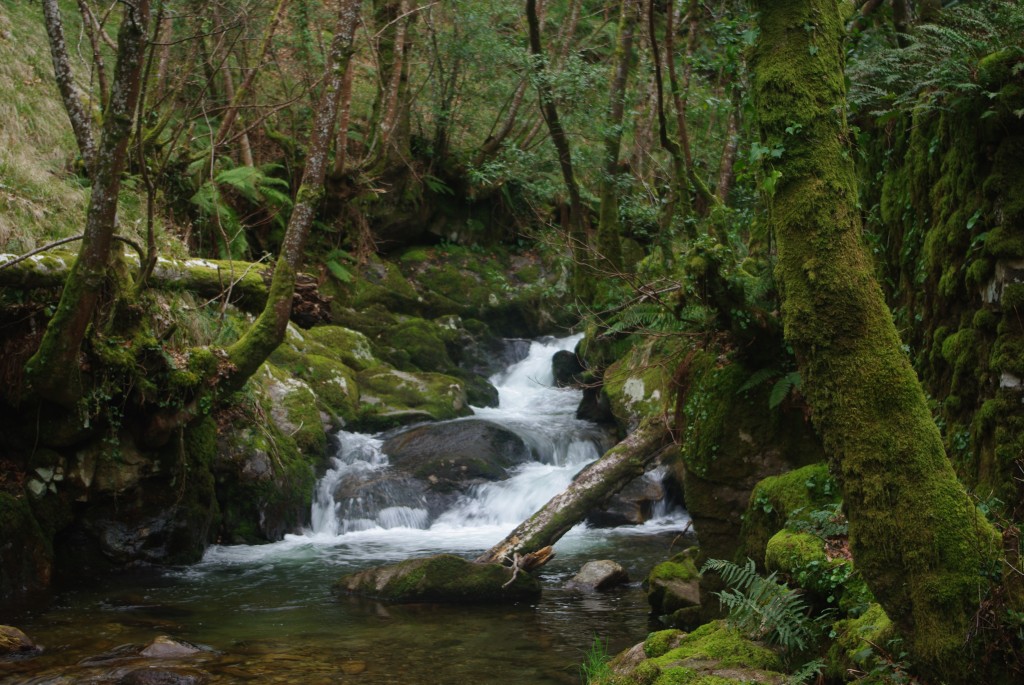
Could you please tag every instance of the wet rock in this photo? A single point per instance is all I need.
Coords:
(673, 589)
(388, 498)
(452, 456)
(567, 369)
(164, 676)
(13, 641)
(393, 398)
(164, 647)
(441, 578)
(597, 576)
(633, 505)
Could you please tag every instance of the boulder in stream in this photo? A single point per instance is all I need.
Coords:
(453, 455)
(440, 578)
(14, 642)
(597, 576)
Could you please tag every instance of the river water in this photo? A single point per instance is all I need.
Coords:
(266, 614)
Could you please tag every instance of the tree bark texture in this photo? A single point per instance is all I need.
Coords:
(81, 122)
(53, 369)
(916, 536)
(591, 488)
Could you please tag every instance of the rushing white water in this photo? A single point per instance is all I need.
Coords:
(388, 518)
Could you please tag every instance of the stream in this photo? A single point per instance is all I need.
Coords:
(266, 613)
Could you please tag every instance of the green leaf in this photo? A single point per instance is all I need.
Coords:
(339, 272)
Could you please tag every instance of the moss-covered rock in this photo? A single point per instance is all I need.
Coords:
(391, 398)
(776, 498)
(857, 641)
(349, 347)
(673, 588)
(714, 654)
(441, 578)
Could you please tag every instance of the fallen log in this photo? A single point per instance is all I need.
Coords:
(591, 488)
(244, 284)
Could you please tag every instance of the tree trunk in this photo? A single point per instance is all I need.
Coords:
(237, 96)
(591, 488)
(53, 370)
(81, 122)
(576, 230)
(608, 221)
(916, 536)
(267, 333)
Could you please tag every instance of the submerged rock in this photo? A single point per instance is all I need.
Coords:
(441, 578)
(452, 456)
(597, 576)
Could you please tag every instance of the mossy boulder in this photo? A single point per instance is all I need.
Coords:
(456, 455)
(713, 654)
(291, 405)
(856, 642)
(391, 398)
(828, 578)
(673, 588)
(776, 498)
(639, 384)
(441, 578)
(349, 347)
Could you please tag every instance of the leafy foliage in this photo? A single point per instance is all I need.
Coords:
(764, 608)
(941, 61)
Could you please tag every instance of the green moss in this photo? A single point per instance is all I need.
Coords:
(680, 567)
(724, 644)
(27, 554)
(658, 643)
(392, 398)
(349, 347)
(856, 641)
(776, 498)
(440, 578)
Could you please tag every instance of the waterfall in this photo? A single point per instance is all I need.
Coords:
(360, 494)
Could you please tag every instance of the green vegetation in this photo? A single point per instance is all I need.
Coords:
(816, 293)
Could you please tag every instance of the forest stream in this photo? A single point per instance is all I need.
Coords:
(267, 614)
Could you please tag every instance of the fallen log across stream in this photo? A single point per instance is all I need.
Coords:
(525, 547)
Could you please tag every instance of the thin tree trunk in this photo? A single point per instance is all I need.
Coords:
(493, 142)
(390, 138)
(81, 122)
(576, 231)
(53, 370)
(238, 96)
(608, 222)
(590, 489)
(916, 536)
(344, 118)
(727, 161)
(263, 337)
(93, 30)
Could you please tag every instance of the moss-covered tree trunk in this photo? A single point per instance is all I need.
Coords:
(54, 371)
(915, 534)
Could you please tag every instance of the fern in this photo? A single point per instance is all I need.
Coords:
(782, 387)
(764, 608)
